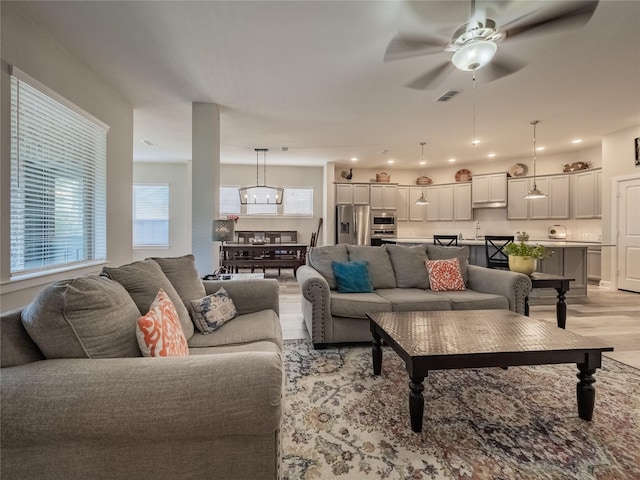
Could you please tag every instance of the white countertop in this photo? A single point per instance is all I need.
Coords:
(546, 242)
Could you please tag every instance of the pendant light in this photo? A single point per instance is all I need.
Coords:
(534, 192)
(422, 200)
(261, 194)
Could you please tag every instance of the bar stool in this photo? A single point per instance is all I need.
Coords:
(494, 246)
(445, 240)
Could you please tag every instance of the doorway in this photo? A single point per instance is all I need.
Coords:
(628, 234)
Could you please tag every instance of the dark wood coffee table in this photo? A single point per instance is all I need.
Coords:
(481, 338)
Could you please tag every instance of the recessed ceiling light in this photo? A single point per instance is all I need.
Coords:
(354, 159)
(390, 161)
(491, 155)
(539, 149)
(475, 142)
(577, 140)
(452, 160)
(423, 163)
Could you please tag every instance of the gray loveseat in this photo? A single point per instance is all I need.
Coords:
(213, 414)
(400, 283)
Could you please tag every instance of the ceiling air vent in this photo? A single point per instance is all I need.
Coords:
(446, 96)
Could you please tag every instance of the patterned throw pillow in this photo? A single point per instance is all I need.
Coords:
(159, 332)
(445, 275)
(213, 311)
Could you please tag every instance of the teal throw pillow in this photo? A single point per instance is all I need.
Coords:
(352, 277)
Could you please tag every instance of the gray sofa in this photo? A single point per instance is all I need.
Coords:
(213, 414)
(400, 283)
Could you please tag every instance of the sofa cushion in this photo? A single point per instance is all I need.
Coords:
(414, 299)
(438, 252)
(159, 333)
(213, 311)
(444, 275)
(183, 275)
(472, 300)
(245, 329)
(408, 265)
(85, 317)
(320, 258)
(142, 280)
(380, 268)
(352, 277)
(356, 305)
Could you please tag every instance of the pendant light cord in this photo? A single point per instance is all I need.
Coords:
(534, 123)
(473, 93)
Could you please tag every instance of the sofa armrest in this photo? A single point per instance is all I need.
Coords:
(316, 303)
(249, 296)
(131, 400)
(514, 286)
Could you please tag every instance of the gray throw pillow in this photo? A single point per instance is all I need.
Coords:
(85, 317)
(321, 258)
(380, 268)
(438, 252)
(143, 280)
(408, 265)
(183, 275)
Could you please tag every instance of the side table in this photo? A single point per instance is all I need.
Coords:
(561, 284)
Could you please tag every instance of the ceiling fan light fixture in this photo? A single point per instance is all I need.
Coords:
(474, 55)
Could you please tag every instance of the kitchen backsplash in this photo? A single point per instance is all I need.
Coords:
(494, 222)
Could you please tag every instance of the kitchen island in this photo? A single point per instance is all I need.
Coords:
(568, 259)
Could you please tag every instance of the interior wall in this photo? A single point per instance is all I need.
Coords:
(37, 54)
(179, 180)
(618, 154)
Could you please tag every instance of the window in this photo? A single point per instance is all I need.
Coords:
(151, 215)
(58, 180)
(298, 201)
(262, 194)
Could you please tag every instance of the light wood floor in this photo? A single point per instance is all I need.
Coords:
(613, 316)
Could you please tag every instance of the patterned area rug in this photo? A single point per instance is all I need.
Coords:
(521, 423)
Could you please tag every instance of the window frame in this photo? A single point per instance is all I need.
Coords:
(143, 246)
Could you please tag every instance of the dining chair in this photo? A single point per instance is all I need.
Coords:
(494, 246)
(445, 240)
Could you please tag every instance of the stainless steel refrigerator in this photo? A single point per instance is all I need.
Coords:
(353, 224)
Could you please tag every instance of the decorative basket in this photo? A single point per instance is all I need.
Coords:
(383, 177)
(423, 181)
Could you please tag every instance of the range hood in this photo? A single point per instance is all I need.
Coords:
(500, 204)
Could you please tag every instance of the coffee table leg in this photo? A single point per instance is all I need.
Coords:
(585, 392)
(416, 403)
(376, 353)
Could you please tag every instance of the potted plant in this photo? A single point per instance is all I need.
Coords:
(523, 258)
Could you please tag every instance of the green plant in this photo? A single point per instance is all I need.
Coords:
(525, 250)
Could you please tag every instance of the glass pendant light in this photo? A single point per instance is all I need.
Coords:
(422, 200)
(534, 192)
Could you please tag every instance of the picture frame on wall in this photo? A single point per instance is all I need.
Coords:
(637, 145)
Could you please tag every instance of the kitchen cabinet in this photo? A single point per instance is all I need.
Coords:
(402, 203)
(448, 202)
(352, 193)
(554, 206)
(489, 190)
(383, 196)
(587, 194)
(594, 269)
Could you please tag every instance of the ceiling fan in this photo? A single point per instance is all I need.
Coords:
(474, 44)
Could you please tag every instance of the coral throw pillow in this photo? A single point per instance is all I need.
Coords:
(159, 332)
(445, 275)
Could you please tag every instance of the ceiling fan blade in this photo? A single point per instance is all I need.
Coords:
(568, 15)
(432, 78)
(411, 45)
(500, 67)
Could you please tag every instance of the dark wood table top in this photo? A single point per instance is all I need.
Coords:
(476, 332)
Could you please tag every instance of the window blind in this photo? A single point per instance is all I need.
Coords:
(58, 181)
(151, 215)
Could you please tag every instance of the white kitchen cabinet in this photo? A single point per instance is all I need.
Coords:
(489, 190)
(517, 205)
(554, 206)
(352, 193)
(416, 212)
(448, 202)
(383, 196)
(462, 202)
(587, 194)
(402, 203)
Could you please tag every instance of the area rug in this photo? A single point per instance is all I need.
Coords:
(341, 421)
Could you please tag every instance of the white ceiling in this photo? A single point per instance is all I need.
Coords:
(310, 76)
